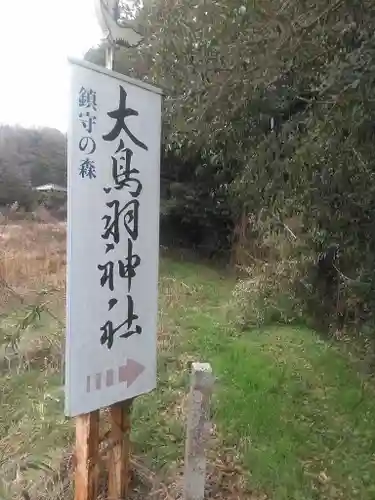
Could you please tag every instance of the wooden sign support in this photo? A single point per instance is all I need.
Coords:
(87, 453)
(119, 463)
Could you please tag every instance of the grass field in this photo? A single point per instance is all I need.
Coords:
(292, 417)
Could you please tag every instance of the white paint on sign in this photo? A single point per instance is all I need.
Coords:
(113, 238)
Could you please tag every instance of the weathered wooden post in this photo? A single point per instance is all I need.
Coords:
(118, 467)
(198, 430)
(87, 449)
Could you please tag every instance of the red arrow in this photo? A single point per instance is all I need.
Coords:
(130, 372)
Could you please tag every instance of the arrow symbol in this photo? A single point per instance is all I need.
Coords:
(130, 372)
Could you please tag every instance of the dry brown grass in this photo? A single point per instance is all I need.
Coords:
(32, 258)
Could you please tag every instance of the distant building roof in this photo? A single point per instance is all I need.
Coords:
(50, 187)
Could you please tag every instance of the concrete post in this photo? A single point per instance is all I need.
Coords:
(198, 430)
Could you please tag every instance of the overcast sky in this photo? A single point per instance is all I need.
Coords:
(36, 37)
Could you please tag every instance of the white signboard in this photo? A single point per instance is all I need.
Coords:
(113, 238)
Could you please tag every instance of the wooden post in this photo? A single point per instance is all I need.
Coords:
(119, 457)
(198, 430)
(87, 454)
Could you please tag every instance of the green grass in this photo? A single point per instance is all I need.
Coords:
(297, 413)
(288, 406)
(34, 433)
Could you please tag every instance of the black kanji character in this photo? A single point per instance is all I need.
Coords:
(87, 169)
(109, 330)
(112, 223)
(120, 114)
(87, 98)
(87, 143)
(87, 121)
(127, 269)
(122, 173)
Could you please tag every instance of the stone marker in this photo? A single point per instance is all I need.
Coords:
(198, 430)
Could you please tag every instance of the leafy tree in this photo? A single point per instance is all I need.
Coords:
(269, 108)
